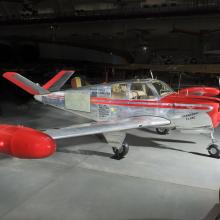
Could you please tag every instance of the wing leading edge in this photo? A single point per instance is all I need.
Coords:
(103, 127)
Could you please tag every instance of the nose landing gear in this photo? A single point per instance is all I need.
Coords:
(213, 148)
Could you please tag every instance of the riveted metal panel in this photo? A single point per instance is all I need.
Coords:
(77, 101)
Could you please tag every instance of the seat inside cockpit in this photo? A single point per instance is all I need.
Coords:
(137, 90)
(119, 91)
(140, 91)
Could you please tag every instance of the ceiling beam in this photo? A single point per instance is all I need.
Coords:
(57, 7)
(4, 9)
(191, 68)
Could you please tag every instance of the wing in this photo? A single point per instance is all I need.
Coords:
(109, 126)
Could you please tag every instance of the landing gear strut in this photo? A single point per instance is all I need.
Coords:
(121, 152)
(117, 140)
(162, 131)
(213, 148)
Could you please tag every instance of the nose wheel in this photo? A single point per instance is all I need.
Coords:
(121, 152)
(214, 150)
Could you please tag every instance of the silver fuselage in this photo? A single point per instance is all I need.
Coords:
(119, 100)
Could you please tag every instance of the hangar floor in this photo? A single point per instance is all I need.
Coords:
(163, 177)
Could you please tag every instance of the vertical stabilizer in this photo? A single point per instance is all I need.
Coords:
(58, 81)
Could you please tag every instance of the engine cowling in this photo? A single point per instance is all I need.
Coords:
(200, 91)
(24, 142)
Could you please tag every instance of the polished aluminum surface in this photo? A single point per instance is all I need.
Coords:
(102, 127)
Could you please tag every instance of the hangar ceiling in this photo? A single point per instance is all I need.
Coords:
(114, 32)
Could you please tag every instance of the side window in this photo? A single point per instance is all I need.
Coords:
(119, 91)
(140, 91)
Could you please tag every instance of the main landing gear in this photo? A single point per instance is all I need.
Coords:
(121, 152)
(213, 148)
(162, 131)
(116, 139)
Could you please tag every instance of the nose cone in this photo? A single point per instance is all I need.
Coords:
(31, 144)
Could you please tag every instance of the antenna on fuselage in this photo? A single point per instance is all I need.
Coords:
(151, 73)
(179, 83)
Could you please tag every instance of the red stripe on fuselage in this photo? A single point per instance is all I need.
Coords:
(121, 100)
(146, 104)
(54, 97)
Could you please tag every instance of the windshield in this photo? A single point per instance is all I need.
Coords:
(162, 88)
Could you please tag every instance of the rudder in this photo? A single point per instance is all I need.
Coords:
(58, 80)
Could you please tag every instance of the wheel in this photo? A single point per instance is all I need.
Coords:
(162, 131)
(214, 150)
(121, 152)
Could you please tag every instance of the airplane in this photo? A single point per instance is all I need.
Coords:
(118, 106)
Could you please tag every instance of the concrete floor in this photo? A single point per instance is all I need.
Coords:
(163, 177)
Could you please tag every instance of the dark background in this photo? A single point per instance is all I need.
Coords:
(39, 38)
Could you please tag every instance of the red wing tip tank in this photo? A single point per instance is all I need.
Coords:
(26, 143)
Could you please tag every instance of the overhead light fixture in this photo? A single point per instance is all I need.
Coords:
(144, 48)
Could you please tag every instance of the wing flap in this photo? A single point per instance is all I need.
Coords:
(103, 127)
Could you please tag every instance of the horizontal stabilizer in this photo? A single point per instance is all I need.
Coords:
(25, 83)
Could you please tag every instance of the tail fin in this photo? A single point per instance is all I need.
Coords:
(59, 80)
(53, 85)
(25, 83)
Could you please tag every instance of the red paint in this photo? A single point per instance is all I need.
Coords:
(11, 77)
(172, 101)
(202, 91)
(122, 100)
(23, 142)
(186, 102)
(155, 105)
(57, 77)
(195, 99)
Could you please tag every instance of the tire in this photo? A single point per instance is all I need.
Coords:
(214, 150)
(121, 152)
(162, 131)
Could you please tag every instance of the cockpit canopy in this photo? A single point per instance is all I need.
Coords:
(140, 90)
(162, 88)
